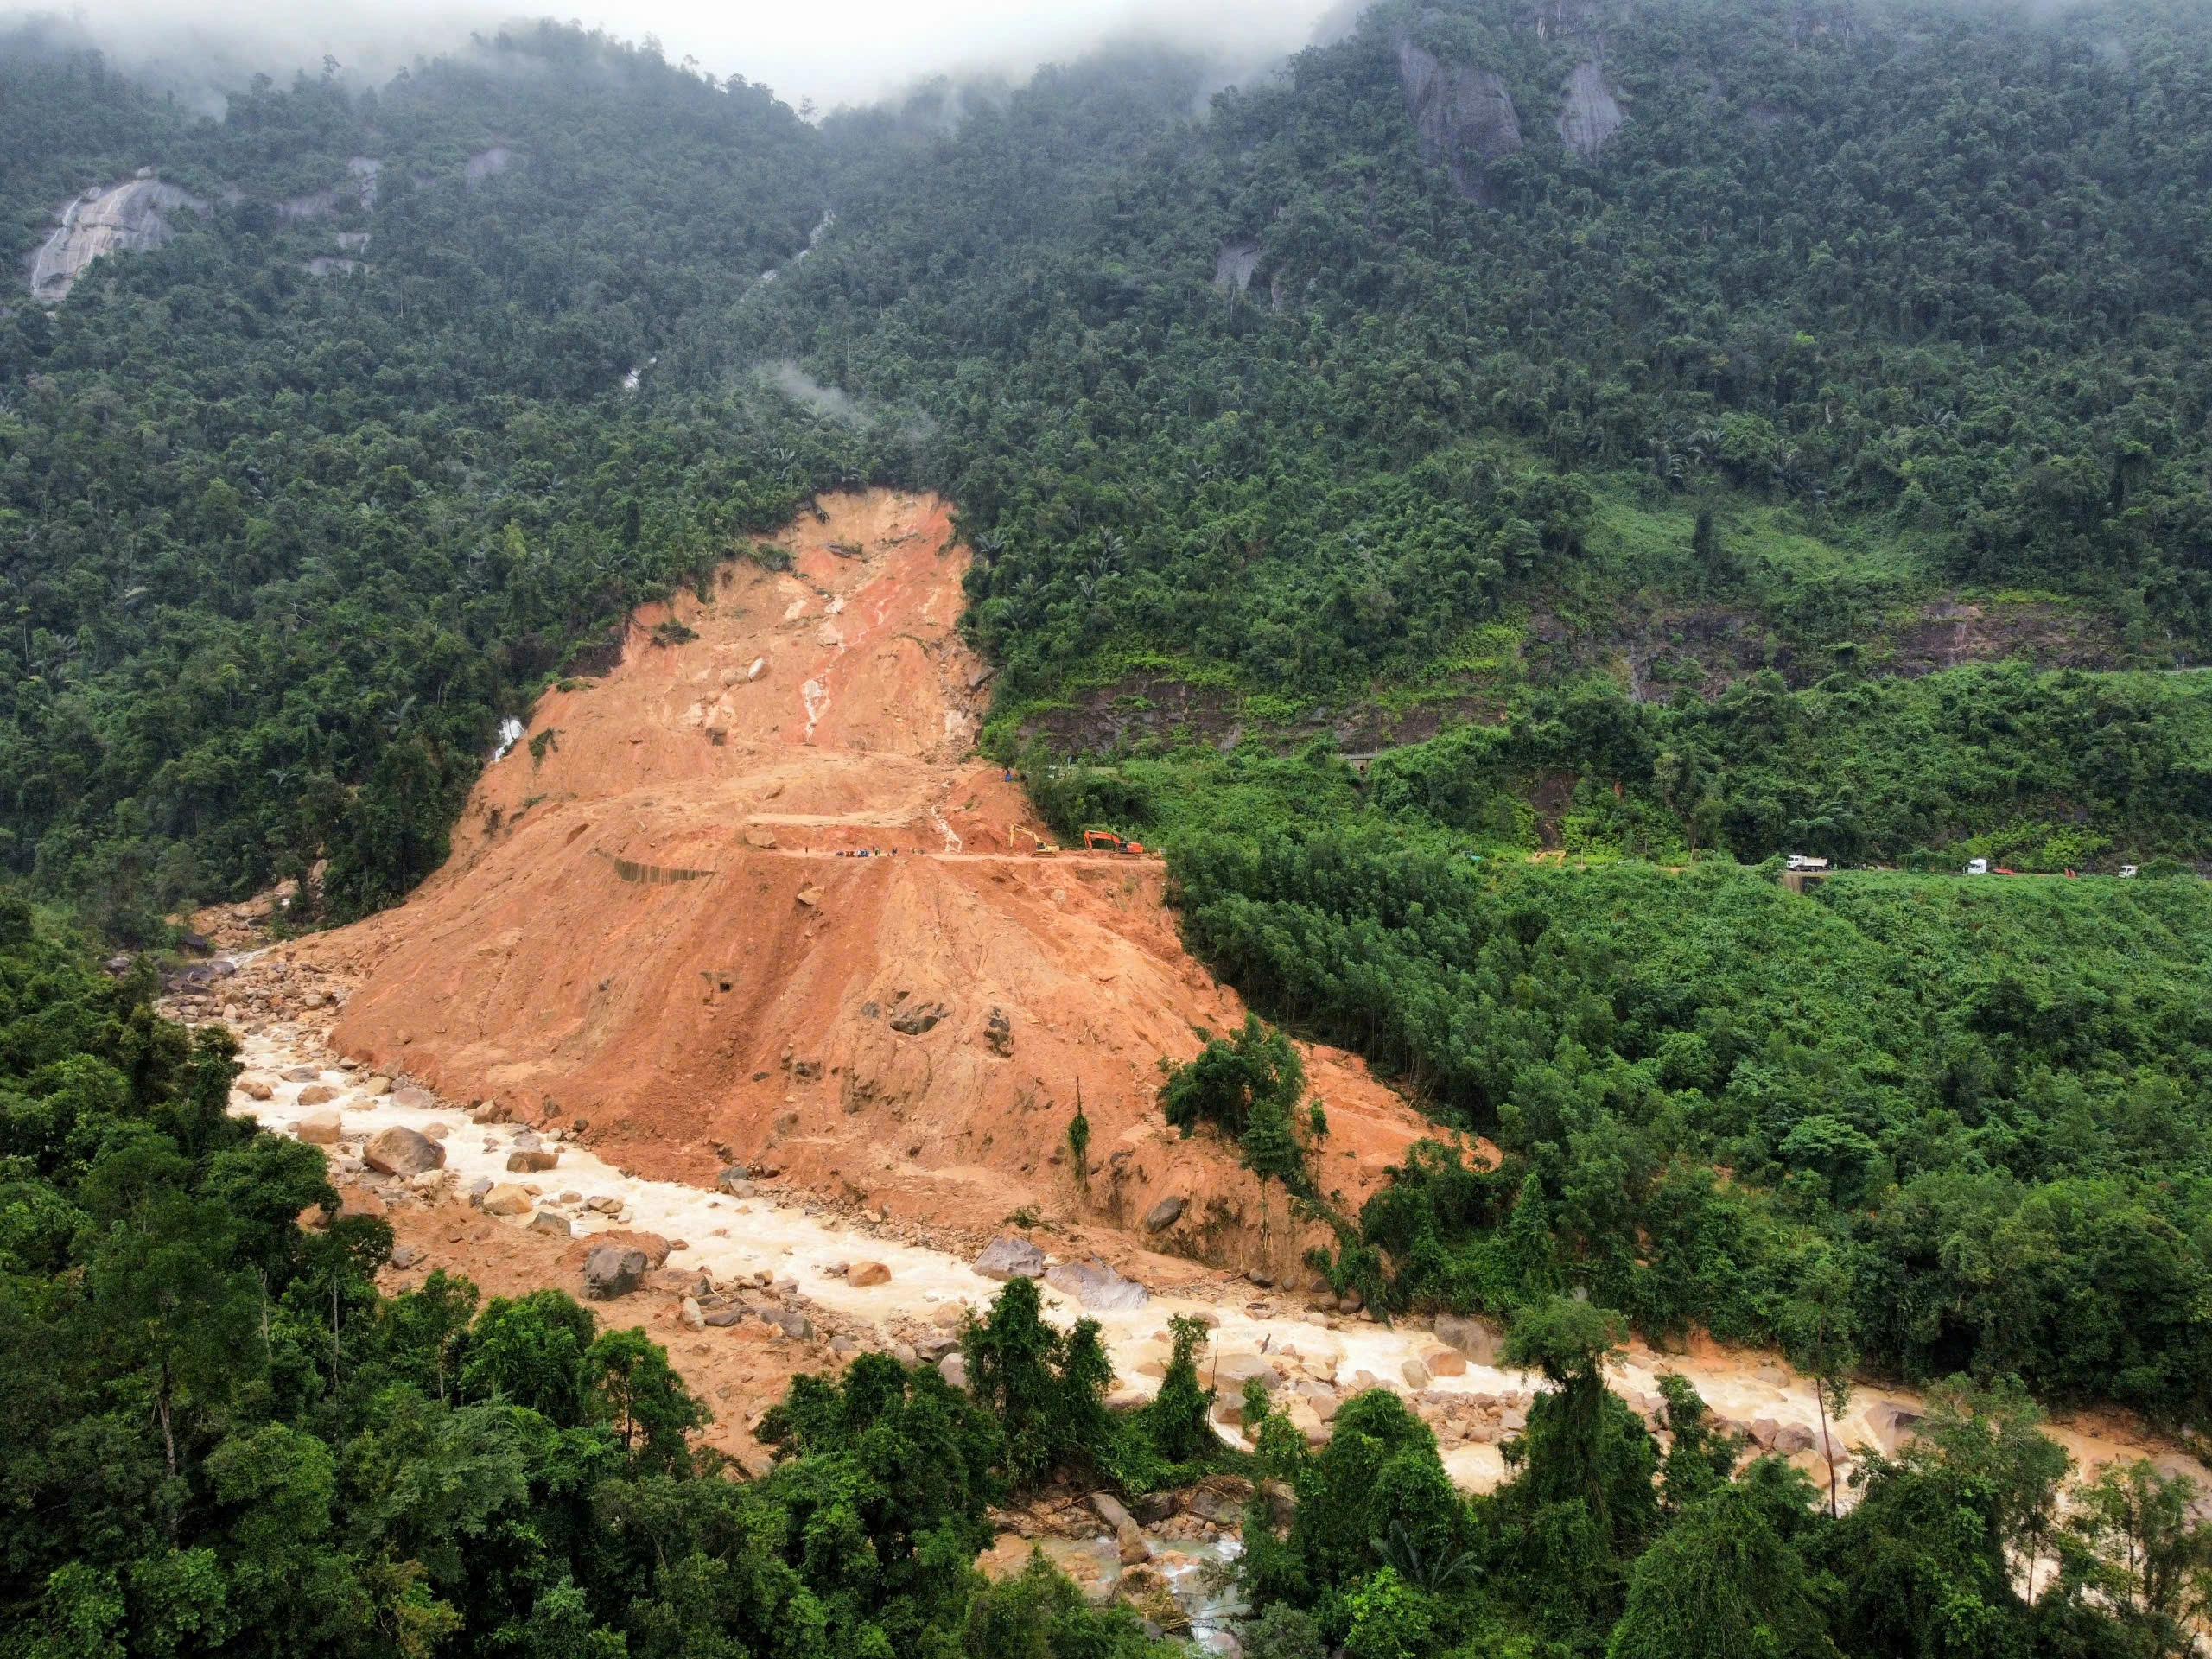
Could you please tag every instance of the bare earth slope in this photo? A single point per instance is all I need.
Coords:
(645, 926)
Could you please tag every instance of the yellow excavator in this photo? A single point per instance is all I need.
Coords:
(1021, 838)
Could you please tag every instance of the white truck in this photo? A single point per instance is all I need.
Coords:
(1977, 867)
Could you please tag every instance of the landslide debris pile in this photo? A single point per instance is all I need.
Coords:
(749, 896)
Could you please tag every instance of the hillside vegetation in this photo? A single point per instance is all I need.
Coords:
(1304, 400)
(1712, 430)
(223, 1439)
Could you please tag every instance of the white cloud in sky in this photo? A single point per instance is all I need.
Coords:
(833, 51)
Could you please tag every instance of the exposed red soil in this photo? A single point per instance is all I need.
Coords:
(644, 926)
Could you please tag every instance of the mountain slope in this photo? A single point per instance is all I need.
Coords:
(652, 926)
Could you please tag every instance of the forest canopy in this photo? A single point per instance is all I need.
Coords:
(1852, 314)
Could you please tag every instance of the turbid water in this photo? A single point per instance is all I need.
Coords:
(734, 1238)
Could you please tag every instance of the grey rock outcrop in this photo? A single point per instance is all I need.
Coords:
(1164, 1215)
(1592, 114)
(1234, 265)
(131, 218)
(613, 1270)
(1010, 1256)
(919, 1017)
(1464, 116)
(1097, 1286)
(792, 1323)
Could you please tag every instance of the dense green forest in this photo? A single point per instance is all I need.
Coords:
(1640, 406)
(1297, 393)
(223, 1439)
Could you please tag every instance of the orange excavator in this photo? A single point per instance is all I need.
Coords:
(1093, 839)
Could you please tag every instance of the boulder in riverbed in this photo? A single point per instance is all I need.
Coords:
(321, 1127)
(1097, 1286)
(612, 1271)
(403, 1151)
(1479, 1342)
(1010, 1256)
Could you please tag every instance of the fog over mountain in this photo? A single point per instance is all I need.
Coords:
(839, 52)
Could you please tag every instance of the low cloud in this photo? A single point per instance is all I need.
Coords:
(802, 388)
(831, 53)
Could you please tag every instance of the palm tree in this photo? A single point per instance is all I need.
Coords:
(1429, 1574)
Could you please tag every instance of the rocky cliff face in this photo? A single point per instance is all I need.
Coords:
(1464, 116)
(1591, 114)
(130, 217)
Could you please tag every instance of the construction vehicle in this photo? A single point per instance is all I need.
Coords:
(1977, 867)
(1093, 839)
(1021, 836)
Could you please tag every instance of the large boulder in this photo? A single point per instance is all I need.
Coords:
(254, 1086)
(403, 1151)
(1234, 1369)
(316, 1094)
(868, 1273)
(320, 1127)
(1164, 1215)
(1097, 1286)
(546, 1222)
(655, 1247)
(1481, 1343)
(1128, 1538)
(917, 1017)
(1010, 1256)
(1444, 1361)
(789, 1321)
(532, 1160)
(1893, 1424)
(612, 1271)
(506, 1200)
